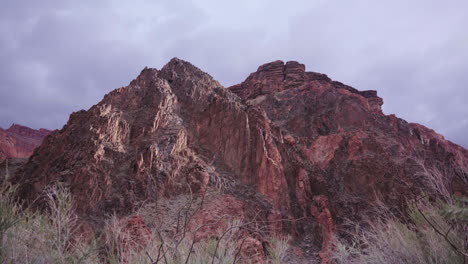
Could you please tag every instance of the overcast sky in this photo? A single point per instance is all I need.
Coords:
(60, 56)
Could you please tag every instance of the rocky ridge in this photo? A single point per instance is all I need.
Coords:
(20, 141)
(290, 149)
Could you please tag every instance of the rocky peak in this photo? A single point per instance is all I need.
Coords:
(270, 71)
(26, 131)
(181, 67)
(17, 128)
(187, 80)
(278, 70)
(271, 78)
(180, 78)
(178, 70)
(294, 71)
(278, 76)
(286, 153)
(275, 78)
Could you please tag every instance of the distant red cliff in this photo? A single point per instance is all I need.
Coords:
(20, 141)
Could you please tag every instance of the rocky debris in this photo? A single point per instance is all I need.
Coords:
(19, 141)
(290, 150)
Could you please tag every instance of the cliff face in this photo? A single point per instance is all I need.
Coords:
(20, 141)
(291, 148)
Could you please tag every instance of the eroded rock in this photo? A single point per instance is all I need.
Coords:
(290, 150)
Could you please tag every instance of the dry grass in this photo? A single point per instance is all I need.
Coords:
(433, 232)
(51, 237)
(426, 237)
(278, 248)
(44, 238)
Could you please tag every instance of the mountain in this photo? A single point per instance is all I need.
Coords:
(20, 141)
(292, 151)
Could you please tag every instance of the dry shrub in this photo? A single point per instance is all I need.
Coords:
(163, 249)
(35, 237)
(278, 248)
(29, 236)
(426, 237)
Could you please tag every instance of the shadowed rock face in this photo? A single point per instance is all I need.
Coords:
(20, 141)
(284, 144)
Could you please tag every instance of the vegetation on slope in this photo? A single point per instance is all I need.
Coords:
(431, 233)
(29, 236)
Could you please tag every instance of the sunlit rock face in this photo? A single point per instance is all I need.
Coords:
(291, 149)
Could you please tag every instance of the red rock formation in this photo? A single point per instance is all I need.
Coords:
(292, 147)
(20, 141)
(217, 217)
(322, 214)
(214, 218)
(252, 249)
(136, 234)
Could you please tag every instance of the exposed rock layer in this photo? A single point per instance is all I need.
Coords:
(20, 141)
(293, 149)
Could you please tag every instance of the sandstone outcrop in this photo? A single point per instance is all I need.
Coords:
(290, 149)
(20, 141)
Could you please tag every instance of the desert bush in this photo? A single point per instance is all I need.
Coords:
(428, 236)
(172, 249)
(458, 210)
(9, 215)
(34, 237)
(278, 248)
(50, 236)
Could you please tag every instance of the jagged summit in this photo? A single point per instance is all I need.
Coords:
(285, 148)
(20, 129)
(176, 64)
(184, 73)
(277, 76)
(279, 69)
(179, 76)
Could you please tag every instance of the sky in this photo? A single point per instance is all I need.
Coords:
(60, 56)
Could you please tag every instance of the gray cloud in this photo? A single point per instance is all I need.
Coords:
(60, 56)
